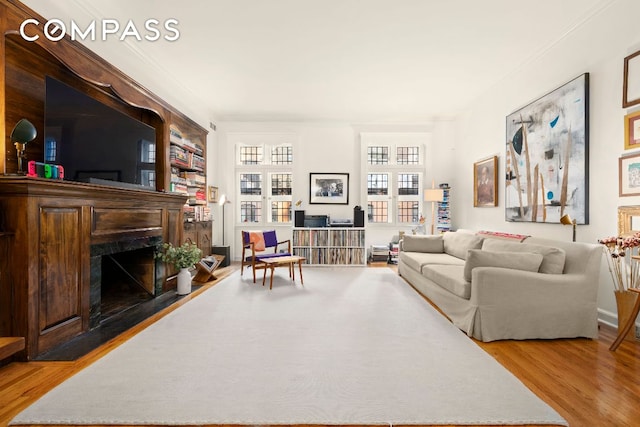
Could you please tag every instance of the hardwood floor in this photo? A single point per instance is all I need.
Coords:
(580, 378)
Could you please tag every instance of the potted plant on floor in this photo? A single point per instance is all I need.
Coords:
(182, 258)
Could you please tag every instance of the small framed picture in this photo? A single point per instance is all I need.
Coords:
(631, 80)
(629, 175)
(329, 188)
(213, 194)
(485, 182)
(632, 131)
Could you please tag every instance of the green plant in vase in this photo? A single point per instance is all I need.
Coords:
(181, 258)
(185, 256)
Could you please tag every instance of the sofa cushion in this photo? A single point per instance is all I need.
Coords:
(527, 261)
(432, 244)
(457, 244)
(449, 277)
(416, 260)
(552, 258)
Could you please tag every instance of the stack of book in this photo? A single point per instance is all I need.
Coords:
(193, 213)
(393, 253)
(378, 253)
(179, 156)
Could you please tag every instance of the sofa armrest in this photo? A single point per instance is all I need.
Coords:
(498, 286)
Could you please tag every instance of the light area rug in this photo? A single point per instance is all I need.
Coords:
(351, 346)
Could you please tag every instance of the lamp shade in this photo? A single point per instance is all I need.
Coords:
(23, 132)
(433, 195)
(566, 220)
(222, 200)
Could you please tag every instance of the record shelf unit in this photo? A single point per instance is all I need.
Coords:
(330, 246)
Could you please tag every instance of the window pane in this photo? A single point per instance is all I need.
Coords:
(50, 150)
(408, 212)
(281, 211)
(408, 184)
(408, 155)
(251, 184)
(378, 184)
(282, 155)
(251, 155)
(250, 211)
(378, 155)
(377, 211)
(148, 178)
(281, 184)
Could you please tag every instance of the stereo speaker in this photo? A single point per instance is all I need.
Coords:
(223, 250)
(358, 218)
(298, 218)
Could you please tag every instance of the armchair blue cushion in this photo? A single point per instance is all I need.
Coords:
(252, 251)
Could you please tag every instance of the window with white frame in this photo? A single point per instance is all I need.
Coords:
(394, 164)
(264, 174)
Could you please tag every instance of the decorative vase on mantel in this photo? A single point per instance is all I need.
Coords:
(625, 300)
(184, 281)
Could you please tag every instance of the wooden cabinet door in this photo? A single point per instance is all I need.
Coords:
(190, 233)
(63, 301)
(204, 238)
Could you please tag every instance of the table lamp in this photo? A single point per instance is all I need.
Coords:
(433, 195)
(23, 132)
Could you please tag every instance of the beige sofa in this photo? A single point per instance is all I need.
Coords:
(495, 288)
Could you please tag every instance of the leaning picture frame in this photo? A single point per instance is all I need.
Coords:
(485, 182)
(631, 80)
(632, 131)
(629, 175)
(329, 188)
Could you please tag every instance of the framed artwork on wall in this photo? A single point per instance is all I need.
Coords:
(213, 194)
(631, 80)
(632, 131)
(329, 188)
(485, 182)
(547, 157)
(629, 175)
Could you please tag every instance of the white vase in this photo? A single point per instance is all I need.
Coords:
(184, 281)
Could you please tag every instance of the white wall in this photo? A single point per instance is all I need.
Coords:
(597, 47)
(323, 148)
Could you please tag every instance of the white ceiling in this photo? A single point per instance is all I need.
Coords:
(384, 61)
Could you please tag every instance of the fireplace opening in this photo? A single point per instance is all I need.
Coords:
(127, 280)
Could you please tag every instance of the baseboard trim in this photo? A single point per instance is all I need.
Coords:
(610, 319)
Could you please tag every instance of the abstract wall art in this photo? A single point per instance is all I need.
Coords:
(547, 157)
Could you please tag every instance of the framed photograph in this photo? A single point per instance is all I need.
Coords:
(547, 157)
(329, 188)
(213, 194)
(631, 80)
(632, 131)
(629, 175)
(485, 182)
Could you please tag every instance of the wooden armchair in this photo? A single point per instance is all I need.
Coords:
(257, 245)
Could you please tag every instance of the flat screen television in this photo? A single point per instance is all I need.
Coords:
(96, 143)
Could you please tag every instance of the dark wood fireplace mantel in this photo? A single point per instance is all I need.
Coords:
(54, 225)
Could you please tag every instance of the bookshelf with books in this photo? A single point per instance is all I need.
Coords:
(187, 154)
(330, 246)
(444, 213)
